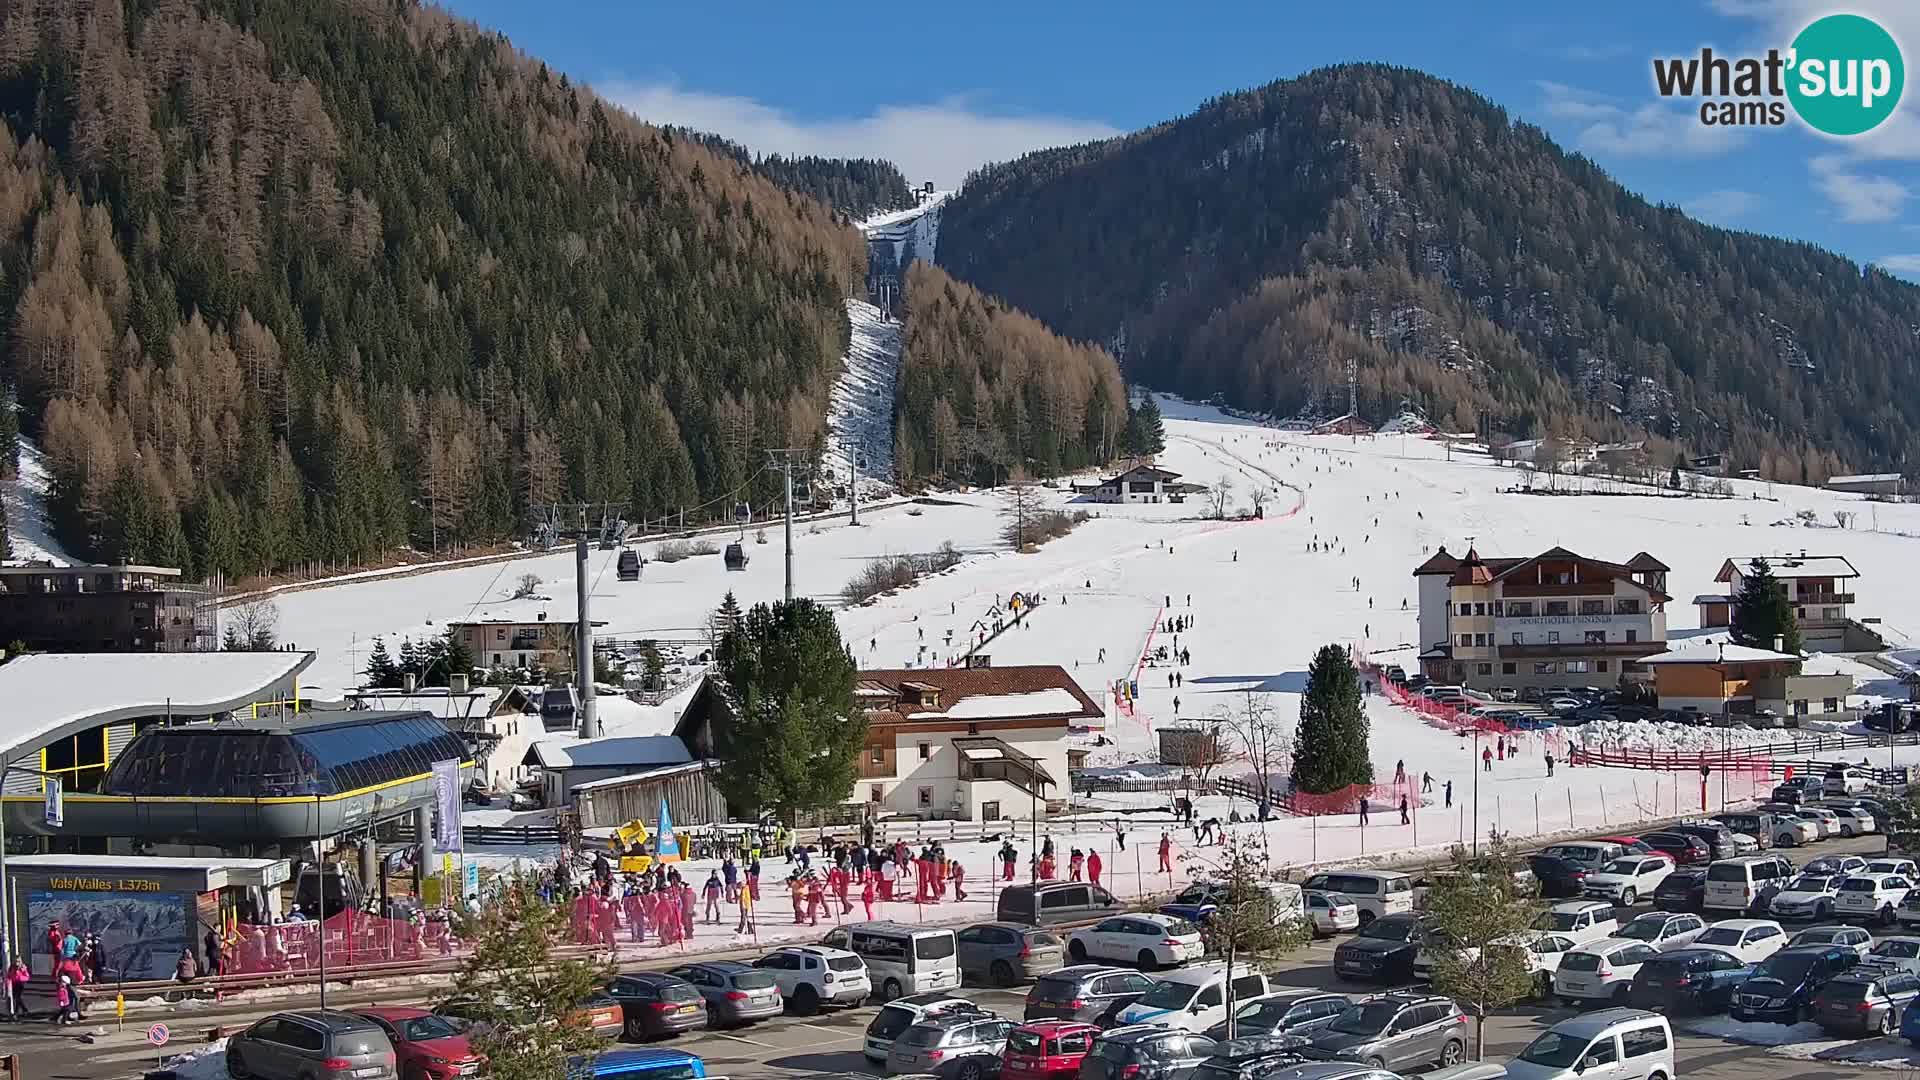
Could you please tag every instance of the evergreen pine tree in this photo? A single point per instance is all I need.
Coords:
(1153, 431)
(382, 672)
(1330, 747)
(458, 658)
(409, 659)
(231, 640)
(792, 734)
(1763, 611)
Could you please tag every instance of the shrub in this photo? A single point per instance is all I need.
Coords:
(897, 572)
(673, 551)
(1042, 526)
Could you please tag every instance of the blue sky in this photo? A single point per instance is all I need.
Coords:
(939, 88)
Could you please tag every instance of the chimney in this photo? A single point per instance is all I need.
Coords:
(1779, 643)
(456, 683)
(408, 682)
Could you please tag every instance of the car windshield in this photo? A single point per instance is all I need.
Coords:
(1898, 949)
(1809, 883)
(1553, 1049)
(923, 1035)
(1022, 1041)
(1792, 970)
(1389, 930)
(1169, 995)
(1720, 935)
(1819, 935)
(1562, 920)
(421, 1028)
(1859, 884)
(933, 947)
(752, 980)
(1643, 929)
(1629, 867)
(1369, 1019)
(1058, 991)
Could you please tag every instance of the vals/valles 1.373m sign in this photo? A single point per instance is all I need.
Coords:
(1843, 75)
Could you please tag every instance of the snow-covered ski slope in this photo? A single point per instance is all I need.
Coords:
(27, 524)
(914, 232)
(860, 413)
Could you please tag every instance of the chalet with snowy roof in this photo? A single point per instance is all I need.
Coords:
(1347, 424)
(1139, 484)
(976, 744)
(1822, 590)
(1715, 677)
(1887, 484)
(1549, 620)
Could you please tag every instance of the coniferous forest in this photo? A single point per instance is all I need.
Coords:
(1473, 270)
(856, 187)
(309, 280)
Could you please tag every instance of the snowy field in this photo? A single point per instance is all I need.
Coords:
(1261, 605)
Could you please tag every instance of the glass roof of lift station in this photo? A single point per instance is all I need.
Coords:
(327, 753)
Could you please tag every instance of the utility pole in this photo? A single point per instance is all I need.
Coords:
(583, 643)
(853, 484)
(785, 460)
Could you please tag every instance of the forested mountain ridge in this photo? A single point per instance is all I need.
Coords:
(1471, 267)
(302, 280)
(857, 187)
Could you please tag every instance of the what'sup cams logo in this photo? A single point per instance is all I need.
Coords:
(1842, 75)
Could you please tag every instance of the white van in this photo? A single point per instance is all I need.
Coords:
(1374, 892)
(1194, 998)
(1740, 883)
(1617, 1044)
(901, 959)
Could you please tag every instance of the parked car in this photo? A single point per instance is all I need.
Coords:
(1249, 1057)
(425, 1046)
(654, 1005)
(1628, 1044)
(1782, 986)
(1871, 897)
(1908, 913)
(1851, 937)
(1395, 1031)
(1625, 880)
(1145, 1052)
(1630, 845)
(1089, 993)
(1047, 1050)
(1663, 931)
(1835, 865)
(1588, 855)
(1601, 970)
(1902, 953)
(1869, 1001)
(1828, 821)
(896, 1016)
(1283, 1012)
(1845, 780)
(1750, 940)
(651, 1063)
(1049, 903)
(1383, 951)
(1758, 824)
(1331, 912)
(809, 976)
(736, 993)
(1790, 828)
(599, 1012)
(1558, 878)
(1684, 890)
(952, 1045)
(1717, 837)
(1854, 820)
(1195, 998)
(1684, 850)
(1807, 896)
(1007, 953)
(1696, 980)
(1747, 883)
(1904, 867)
(1149, 939)
(1377, 893)
(312, 1044)
(1581, 920)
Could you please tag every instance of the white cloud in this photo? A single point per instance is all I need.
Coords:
(1777, 21)
(1591, 53)
(1724, 205)
(1563, 102)
(1859, 198)
(1606, 127)
(941, 141)
(1905, 265)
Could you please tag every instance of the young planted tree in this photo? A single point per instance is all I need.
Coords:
(1255, 731)
(1330, 745)
(532, 1026)
(1763, 612)
(251, 626)
(1020, 503)
(1483, 923)
(382, 672)
(1220, 498)
(792, 735)
(1247, 926)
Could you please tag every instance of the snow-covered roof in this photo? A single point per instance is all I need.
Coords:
(1791, 566)
(47, 693)
(1000, 706)
(1711, 651)
(472, 705)
(643, 774)
(1713, 598)
(607, 753)
(1864, 478)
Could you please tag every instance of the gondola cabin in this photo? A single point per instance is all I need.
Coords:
(736, 556)
(629, 567)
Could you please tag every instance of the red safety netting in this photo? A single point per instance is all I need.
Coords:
(352, 939)
(1381, 799)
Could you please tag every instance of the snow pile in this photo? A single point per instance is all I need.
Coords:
(1051, 702)
(209, 1062)
(1876, 1053)
(27, 523)
(1664, 737)
(860, 409)
(1754, 1033)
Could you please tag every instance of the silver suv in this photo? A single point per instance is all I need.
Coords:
(311, 1044)
(1395, 1031)
(953, 1045)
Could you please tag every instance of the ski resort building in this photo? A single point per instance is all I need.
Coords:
(1718, 678)
(534, 643)
(1553, 619)
(1885, 484)
(1822, 590)
(1140, 484)
(975, 744)
(104, 609)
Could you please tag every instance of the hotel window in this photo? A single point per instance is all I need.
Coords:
(500, 634)
(1829, 612)
(1830, 704)
(1545, 667)
(1480, 641)
(873, 793)
(1509, 669)
(1596, 637)
(1479, 609)
(877, 754)
(1466, 639)
(1600, 666)
(1553, 637)
(926, 751)
(926, 797)
(1626, 606)
(1633, 635)
(1520, 609)
(1466, 609)
(1499, 608)
(1519, 638)
(1559, 607)
(1576, 667)
(1593, 607)
(1487, 669)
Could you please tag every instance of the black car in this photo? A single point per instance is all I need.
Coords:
(1384, 951)
(1782, 986)
(1282, 1013)
(655, 1004)
(1688, 981)
(1558, 878)
(1682, 890)
(1145, 1052)
(1090, 993)
(1718, 838)
(1249, 1058)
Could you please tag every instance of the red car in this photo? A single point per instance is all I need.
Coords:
(426, 1046)
(1684, 850)
(1635, 845)
(1047, 1050)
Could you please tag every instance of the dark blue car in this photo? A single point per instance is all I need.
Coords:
(1196, 903)
(1689, 980)
(1783, 985)
(646, 1064)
